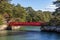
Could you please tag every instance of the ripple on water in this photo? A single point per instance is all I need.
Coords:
(28, 35)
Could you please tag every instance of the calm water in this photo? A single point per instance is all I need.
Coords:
(36, 35)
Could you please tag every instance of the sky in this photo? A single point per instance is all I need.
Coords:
(44, 5)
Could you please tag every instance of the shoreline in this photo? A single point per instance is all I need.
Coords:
(42, 28)
(51, 28)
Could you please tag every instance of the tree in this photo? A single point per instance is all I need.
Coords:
(32, 14)
(19, 12)
(47, 16)
(56, 19)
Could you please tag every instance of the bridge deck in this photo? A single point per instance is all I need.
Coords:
(26, 23)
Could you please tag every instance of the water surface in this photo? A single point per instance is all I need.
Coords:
(36, 35)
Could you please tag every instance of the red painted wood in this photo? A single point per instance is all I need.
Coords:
(25, 23)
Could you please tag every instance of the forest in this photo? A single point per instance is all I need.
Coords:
(11, 12)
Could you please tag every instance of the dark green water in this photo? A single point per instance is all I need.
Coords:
(36, 35)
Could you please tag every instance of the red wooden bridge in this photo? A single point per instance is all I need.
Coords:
(26, 23)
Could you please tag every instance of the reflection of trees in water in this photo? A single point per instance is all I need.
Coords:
(10, 33)
(2, 38)
(3, 33)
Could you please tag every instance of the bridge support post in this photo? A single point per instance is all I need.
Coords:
(42, 28)
(9, 27)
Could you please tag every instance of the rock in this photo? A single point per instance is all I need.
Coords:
(3, 27)
(16, 27)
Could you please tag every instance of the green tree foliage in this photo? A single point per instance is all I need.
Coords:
(56, 19)
(47, 16)
(22, 14)
(19, 12)
(1, 20)
(37, 16)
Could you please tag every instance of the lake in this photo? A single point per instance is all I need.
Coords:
(36, 34)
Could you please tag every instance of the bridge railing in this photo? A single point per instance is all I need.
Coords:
(26, 23)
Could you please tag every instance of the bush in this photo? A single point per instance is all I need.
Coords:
(1, 20)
